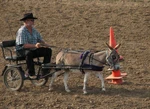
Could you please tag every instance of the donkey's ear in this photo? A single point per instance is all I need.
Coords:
(117, 46)
(109, 46)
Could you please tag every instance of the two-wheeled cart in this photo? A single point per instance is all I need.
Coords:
(14, 72)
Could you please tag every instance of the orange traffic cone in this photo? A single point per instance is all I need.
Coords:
(116, 76)
(112, 41)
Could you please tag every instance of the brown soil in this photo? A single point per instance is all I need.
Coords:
(84, 24)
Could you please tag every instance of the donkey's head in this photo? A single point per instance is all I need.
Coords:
(113, 57)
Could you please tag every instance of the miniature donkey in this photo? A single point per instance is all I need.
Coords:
(87, 63)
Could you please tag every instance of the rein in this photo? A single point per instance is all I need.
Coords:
(91, 58)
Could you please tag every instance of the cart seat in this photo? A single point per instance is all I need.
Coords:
(14, 58)
(8, 50)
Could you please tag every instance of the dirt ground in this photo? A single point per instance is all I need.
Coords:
(84, 25)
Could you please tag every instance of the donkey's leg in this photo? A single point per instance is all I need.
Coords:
(66, 74)
(52, 80)
(85, 82)
(100, 75)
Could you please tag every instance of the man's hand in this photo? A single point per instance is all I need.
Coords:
(38, 45)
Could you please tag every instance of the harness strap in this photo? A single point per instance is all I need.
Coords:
(90, 65)
(83, 57)
(91, 58)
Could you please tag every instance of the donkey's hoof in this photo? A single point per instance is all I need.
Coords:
(50, 89)
(68, 90)
(85, 92)
(103, 89)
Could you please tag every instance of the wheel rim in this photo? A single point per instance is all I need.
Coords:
(39, 82)
(13, 79)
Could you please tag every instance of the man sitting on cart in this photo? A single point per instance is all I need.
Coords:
(30, 44)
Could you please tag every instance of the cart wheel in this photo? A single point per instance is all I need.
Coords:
(13, 79)
(39, 82)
